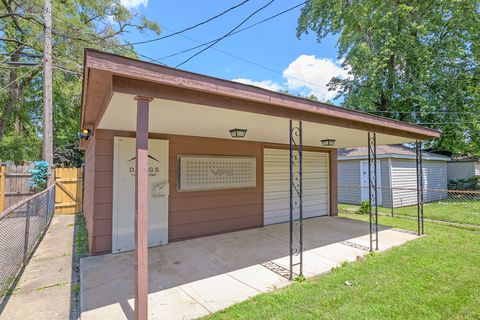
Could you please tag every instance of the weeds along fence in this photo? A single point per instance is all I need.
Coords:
(446, 206)
(21, 227)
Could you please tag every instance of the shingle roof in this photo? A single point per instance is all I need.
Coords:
(393, 150)
(465, 158)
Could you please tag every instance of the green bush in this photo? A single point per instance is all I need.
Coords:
(472, 183)
(364, 207)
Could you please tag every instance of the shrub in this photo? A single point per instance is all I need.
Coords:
(472, 183)
(38, 180)
(364, 207)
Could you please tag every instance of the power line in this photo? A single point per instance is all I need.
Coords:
(253, 63)
(192, 27)
(238, 31)
(454, 123)
(226, 35)
(101, 39)
(429, 112)
(20, 77)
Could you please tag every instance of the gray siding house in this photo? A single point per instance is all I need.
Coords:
(396, 179)
(463, 168)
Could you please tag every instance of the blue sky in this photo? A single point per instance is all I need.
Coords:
(302, 66)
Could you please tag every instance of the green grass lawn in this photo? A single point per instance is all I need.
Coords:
(433, 277)
(451, 210)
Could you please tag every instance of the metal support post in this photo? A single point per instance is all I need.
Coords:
(391, 199)
(27, 234)
(420, 200)
(296, 196)
(372, 189)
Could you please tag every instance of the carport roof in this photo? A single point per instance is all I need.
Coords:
(106, 73)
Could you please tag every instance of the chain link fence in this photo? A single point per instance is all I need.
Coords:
(21, 226)
(459, 207)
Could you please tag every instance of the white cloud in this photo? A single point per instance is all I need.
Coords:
(132, 4)
(265, 84)
(305, 75)
(310, 75)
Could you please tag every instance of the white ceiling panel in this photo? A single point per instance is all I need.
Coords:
(181, 118)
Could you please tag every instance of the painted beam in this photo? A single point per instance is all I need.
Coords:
(141, 210)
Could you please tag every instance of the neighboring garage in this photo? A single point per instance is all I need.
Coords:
(277, 185)
(396, 175)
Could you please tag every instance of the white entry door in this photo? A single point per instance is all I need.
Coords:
(276, 193)
(123, 229)
(364, 181)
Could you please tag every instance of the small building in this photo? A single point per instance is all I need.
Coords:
(206, 176)
(463, 167)
(397, 177)
(173, 155)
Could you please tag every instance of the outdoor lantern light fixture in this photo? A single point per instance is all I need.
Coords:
(238, 133)
(84, 134)
(328, 142)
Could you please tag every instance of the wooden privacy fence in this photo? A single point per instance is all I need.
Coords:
(68, 193)
(14, 187)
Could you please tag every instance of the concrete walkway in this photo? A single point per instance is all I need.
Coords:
(44, 288)
(193, 278)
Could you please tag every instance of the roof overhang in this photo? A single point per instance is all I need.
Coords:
(394, 156)
(110, 81)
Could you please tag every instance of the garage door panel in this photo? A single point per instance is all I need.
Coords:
(307, 206)
(312, 193)
(277, 185)
(306, 168)
(282, 216)
(285, 177)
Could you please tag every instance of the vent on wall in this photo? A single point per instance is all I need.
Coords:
(198, 173)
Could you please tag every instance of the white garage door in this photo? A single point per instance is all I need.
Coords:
(277, 185)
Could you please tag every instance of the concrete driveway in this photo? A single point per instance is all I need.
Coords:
(193, 278)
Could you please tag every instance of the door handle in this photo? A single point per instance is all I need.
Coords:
(161, 189)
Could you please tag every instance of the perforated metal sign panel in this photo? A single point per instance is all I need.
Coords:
(215, 172)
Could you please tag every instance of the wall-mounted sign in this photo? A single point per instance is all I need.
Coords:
(196, 173)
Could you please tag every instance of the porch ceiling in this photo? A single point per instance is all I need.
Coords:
(174, 117)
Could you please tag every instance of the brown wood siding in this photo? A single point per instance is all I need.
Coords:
(89, 190)
(191, 214)
(333, 183)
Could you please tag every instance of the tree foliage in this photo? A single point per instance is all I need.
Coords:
(415, 61)
(76, 25)
(39, 175)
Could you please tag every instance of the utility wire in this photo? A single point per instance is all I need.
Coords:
(101, 39)
(443, 123)
(253, 63)
(189, 28)
(238, 31)
(226, 35)
(18, 78)
(429, 112)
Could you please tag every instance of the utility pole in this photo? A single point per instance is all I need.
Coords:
(47, 90)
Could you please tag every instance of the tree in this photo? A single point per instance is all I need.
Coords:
(415, 61)
(76, 25)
